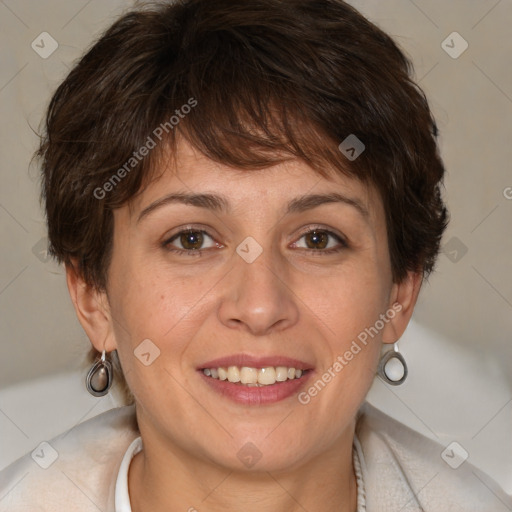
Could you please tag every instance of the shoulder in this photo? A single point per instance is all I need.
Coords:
(79, 466)
(404, 470)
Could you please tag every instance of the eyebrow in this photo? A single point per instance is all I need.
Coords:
(221, 203)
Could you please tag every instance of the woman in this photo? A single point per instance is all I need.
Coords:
(246, 196)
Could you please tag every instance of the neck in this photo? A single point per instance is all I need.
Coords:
(166, 478)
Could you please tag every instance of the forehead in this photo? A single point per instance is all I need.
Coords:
(189, 172)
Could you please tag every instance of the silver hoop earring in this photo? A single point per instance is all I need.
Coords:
(392, 367)
(99, 377)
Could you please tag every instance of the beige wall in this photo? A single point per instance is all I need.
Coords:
(40, 334)
(466, 308)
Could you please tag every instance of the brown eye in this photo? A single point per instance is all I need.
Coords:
(191, 240)
(317, 239)
(321, 241)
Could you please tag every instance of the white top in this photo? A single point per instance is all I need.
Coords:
(400, 468)
(122, 497)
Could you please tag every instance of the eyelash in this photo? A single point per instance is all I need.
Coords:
(199, 252)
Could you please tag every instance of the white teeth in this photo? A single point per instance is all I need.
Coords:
(267, 376)
(281, 373)
(233, 374)
(248, 375)
(252, 377)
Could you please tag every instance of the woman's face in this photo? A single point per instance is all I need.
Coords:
(276, 274)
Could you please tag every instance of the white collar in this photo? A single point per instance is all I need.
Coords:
(122, 497)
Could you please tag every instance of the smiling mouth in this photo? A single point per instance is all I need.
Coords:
(255, 377)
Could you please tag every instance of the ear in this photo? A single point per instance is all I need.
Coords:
(92, 309)
(403, 298)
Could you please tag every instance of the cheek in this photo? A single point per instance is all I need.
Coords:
(152, 303)
(350, 300)
(351, 307)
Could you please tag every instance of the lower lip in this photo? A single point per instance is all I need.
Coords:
(255, 395)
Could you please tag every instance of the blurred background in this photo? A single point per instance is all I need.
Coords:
(459, 345)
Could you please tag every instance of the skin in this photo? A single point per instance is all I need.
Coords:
(290, 301)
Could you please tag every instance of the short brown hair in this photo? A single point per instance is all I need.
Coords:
(268, 80)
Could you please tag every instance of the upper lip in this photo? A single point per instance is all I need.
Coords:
(255, 362)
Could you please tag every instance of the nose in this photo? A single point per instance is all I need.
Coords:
(259, 296)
